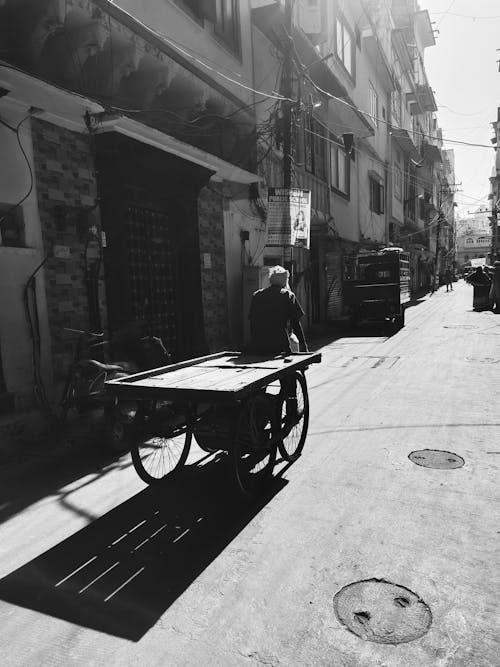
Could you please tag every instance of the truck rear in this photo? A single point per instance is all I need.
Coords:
(377, 287)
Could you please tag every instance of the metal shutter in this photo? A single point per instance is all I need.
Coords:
(333, 274)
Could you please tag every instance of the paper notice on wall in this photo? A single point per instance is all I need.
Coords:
(300, 214)
(288, 217)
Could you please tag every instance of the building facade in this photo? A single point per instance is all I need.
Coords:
(140, 143)
(473, 237)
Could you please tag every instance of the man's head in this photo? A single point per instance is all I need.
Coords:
(278, 276)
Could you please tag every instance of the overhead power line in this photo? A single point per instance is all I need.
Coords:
(465, 16)
(389, 124)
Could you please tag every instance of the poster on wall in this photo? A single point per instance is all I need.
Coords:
(288, 217)
(300, 215)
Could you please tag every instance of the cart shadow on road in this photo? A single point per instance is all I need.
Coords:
(120, 574)
(48, 475)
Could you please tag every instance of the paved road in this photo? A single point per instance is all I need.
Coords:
(99, 570)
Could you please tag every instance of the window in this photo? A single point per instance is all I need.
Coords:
(398, 182)
(340, 167)
(222, 13)
(376, 196)
(315, 147)
(344, 45)
(373, 103)
(396, 106)
(466, 258)
(227, 24)
(396, 97)
(421, 207)
(469, 241)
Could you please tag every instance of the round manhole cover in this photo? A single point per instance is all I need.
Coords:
(436, 458)
(382, 612)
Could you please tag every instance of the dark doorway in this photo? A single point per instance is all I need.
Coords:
(149, 206)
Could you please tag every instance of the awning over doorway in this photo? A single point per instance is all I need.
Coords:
(221, 169)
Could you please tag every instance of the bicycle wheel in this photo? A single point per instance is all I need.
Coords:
(161, 443)
(253, 450)
(294, 419)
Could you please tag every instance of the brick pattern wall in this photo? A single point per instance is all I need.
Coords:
(66, 187)
(213, 269)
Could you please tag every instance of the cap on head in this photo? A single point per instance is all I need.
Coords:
(278, 275)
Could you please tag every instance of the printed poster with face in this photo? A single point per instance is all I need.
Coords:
(300, 215)
(288, 217)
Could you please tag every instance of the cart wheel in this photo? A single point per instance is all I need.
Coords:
(161, 445)
(253, 451)
(294, 426)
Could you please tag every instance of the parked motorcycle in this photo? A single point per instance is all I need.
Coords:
(85, 388)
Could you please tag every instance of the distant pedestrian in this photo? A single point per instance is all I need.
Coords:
(481, 283)
(448, 277)
(495, 288)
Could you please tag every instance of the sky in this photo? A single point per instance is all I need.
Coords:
(462, 70)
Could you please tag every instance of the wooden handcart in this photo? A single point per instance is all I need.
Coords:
(247, 406)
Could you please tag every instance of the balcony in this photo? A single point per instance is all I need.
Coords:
(423, 27)
(425, 97)
(421, 100)
(432, 152)
(376, 53)
(403, 139)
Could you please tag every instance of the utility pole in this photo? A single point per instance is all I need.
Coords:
(440, 220)
(287, 115)
(436, 261)
(287, 92)
(493, 218)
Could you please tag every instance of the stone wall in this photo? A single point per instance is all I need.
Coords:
(66, 189)
(213, 268)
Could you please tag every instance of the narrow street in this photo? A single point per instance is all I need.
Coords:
(97, 569)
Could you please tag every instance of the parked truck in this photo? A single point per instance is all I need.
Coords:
(377, 286)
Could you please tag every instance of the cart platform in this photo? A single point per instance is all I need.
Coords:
(225, 377)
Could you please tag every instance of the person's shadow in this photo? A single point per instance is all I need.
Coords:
(120, 573)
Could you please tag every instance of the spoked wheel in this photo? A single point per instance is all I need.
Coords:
(294, 415)
(161, 442)
(253, 451)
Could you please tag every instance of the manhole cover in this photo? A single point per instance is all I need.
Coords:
(382, 612)
(436, 458)
(459, 326)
